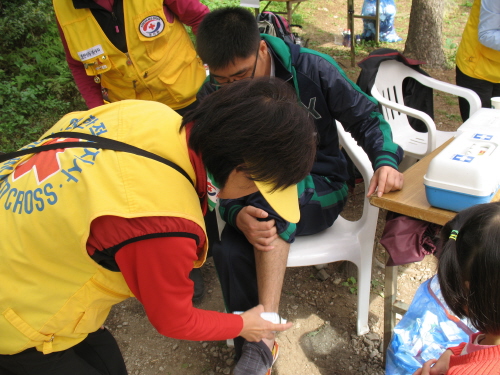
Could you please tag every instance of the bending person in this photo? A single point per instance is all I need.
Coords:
(89, 226)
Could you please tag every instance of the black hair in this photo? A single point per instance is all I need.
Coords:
(469, 266)
(257, 126)
(227, 34)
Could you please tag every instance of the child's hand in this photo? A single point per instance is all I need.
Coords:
(440, 367)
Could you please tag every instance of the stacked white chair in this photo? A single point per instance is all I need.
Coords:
(388, 90)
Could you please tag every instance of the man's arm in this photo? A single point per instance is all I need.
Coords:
(358, 114)
(157, 272)
(189, 12)
(384, 180)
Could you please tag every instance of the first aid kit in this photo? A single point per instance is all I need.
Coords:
(466, 172)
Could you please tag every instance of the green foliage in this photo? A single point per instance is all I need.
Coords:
(314, 333)
(450, 50)
(376, 287)
(36, 86)
(23, 21)
(351, 284)
(214, 4)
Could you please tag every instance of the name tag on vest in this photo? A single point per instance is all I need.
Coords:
(91, 53)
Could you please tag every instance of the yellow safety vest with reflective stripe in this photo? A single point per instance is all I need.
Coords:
(52, 294)
(161, 63)
(473, 58)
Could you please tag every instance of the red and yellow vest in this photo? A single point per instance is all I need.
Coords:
(52, 294)
(473, 58)
(161, 63)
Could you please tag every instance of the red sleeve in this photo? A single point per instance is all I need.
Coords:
(90, 91)
(189, 12)
(157, 272)
(457, 350)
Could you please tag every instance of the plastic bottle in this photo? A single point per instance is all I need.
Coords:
(347, 38)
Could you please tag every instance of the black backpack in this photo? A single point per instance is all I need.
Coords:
(415, 95)
(276, 25)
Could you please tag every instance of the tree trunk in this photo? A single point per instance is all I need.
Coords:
(425, 38)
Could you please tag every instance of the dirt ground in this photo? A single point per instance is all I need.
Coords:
(323, 339)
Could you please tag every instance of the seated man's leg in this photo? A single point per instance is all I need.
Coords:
(271, 267)
(322, 202)
(235, 264)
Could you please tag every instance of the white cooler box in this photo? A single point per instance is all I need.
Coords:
(467, 171)
(484, 119)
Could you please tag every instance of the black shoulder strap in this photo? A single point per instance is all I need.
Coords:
(96, 142)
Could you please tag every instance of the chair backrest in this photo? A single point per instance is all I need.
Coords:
(388, 90)
(389, 84)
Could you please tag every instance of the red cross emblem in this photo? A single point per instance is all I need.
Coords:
(44, 164)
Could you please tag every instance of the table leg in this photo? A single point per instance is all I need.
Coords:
(390, 292)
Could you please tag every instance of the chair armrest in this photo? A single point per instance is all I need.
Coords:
(356, 153)
(467, 94)
(424, 117)
(364, 165)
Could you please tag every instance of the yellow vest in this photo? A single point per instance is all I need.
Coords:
(52, 294)
(473, 58)
(161, 63)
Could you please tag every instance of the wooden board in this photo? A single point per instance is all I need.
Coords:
(411, 201)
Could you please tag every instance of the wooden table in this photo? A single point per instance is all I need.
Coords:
(411, 201)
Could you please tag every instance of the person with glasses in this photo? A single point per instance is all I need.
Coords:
(252, 254)
(219, 81)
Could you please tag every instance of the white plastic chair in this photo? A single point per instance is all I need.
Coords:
(388, 90)
(345, 240)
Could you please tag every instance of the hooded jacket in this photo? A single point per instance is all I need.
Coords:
(329, 95)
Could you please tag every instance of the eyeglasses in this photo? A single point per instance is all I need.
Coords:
(214, 83)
